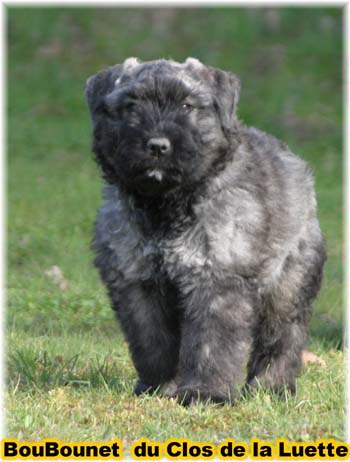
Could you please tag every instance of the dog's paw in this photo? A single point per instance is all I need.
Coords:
(168, 389)
(187, 396)
(142, 388)
(279, 390)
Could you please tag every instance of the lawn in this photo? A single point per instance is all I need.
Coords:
(69, 375)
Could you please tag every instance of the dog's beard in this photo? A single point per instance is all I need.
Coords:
(155, 181)
(152, 178)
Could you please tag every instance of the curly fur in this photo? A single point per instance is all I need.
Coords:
(212, 253)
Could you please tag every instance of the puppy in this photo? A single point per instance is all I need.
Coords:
(207, 240)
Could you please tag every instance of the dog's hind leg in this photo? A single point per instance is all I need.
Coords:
(281, 332)
(275, 366)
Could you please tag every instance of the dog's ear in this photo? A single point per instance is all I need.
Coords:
(99, 85)
(227, 87)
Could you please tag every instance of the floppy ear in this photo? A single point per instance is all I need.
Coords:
(226, 87)
(98, 86)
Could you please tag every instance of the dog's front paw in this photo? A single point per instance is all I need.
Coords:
(187, 396)
(168, 389)
(278, 389)
(142, 388)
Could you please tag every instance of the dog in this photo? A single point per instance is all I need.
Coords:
(208, 240)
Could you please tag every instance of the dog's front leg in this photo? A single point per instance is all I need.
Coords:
(216, 341)
(152, 335)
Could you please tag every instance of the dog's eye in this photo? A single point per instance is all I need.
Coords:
(186, 107)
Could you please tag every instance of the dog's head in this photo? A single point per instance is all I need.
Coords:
(160, 125)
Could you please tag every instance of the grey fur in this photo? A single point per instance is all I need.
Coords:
(212, 254)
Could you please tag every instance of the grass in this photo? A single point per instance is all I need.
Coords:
(69, 374)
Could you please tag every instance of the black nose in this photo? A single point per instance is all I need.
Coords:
(159, 146)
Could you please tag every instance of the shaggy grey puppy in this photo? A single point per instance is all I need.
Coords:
(208, 240)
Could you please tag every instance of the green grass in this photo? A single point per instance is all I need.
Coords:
(69, 374)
